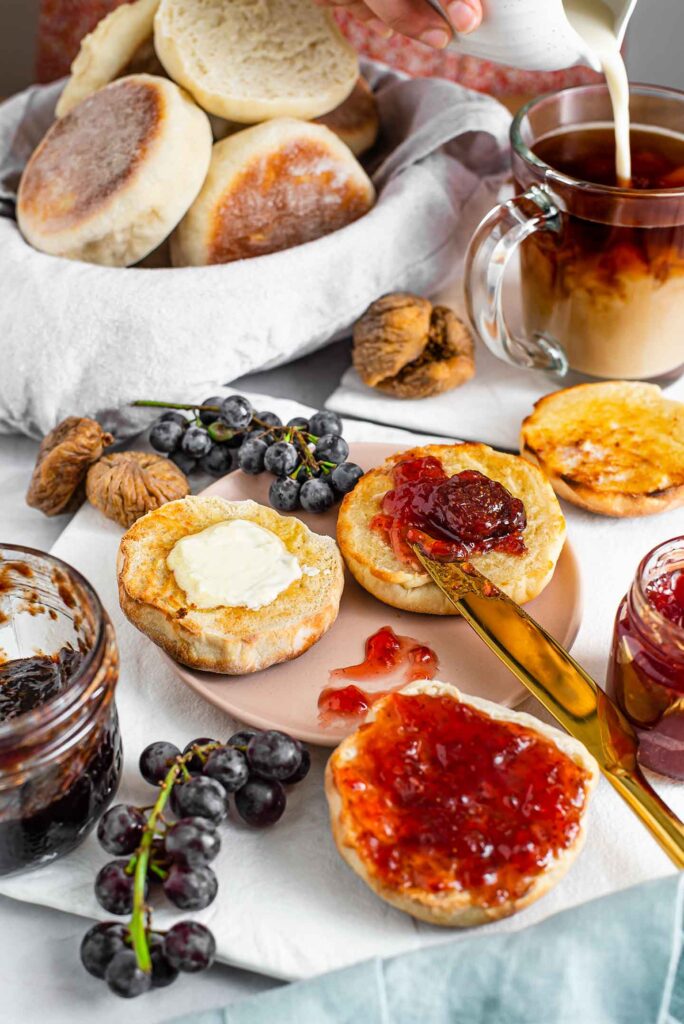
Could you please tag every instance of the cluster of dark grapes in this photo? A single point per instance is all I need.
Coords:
(307, 457)
(253, 767)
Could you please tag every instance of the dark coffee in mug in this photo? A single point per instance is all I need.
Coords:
(602, 288)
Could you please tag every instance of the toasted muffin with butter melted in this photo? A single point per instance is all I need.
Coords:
(616, 448)
(112, 178)
(373, 563)
(434, 886)
(231, 640)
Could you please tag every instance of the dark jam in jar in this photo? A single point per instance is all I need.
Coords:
(450, 517)
(60, 748)
(646, 670)
(389, 657)
(442, 797)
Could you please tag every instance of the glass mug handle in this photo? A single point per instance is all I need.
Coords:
(496, 239)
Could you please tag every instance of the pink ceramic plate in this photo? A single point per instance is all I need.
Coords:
(285, 696)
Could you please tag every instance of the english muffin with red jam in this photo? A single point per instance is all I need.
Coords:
(456, 810)
(458, 502)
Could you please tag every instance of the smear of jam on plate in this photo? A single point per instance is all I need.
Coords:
(400, 659)
(450, 517)
(442, 797)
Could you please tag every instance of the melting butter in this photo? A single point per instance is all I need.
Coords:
(236, 564)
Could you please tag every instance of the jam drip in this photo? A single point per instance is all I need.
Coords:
(27, 683)
(444, 798)
(387, 655)
(666, 595)
(450, 517)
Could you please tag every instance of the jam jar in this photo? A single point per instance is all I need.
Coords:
(646, 670)
(60, 748)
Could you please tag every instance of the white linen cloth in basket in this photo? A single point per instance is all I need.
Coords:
(81, 338)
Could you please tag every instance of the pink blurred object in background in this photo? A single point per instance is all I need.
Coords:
(63, 23)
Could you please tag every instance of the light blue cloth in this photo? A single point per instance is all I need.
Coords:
(617, 960)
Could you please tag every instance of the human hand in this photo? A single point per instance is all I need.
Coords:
(414, 18)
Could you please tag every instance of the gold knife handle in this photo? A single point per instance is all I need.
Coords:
(662, 823)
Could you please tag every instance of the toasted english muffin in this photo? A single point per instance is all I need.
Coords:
(373, 563)
(108, 50)
(449, 898)
(232, 640)
(112, 178)
(616, 448)
(356, 120)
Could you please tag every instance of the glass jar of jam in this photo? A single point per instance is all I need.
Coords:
(646, 671)
(60, 748)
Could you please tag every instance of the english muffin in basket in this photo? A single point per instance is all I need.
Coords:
(243, 635)
(616, 447)
(249, 62)
(272, 187)
(519, 557)
(454, 809)
(356, 121)
(107, 51)
(112, 178)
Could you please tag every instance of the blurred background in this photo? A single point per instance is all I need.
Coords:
(654, 46)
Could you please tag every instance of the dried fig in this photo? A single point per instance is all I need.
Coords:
(126, 485)
(446, 362)
(391, 333)
(63, 460)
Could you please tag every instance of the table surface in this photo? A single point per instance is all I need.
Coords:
(34, 939)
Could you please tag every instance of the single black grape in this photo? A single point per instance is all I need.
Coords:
(165, 436)
(202, 798)
(229, 767)
(192, 841)
(283, 494)
(316, 496)
(331, 448)
(163, 973)
(100, 945)
(345, 477)
(274, 754)
(237, 412)
(155, 761)
(270, 418)
(191, 888)
(220, 461)
(241, 739)
(114, 888)
(205, 415)
(301, 772)
(300, 422)
(281, 458)
(325, 422)
(125, 978)
(185, 463)
(251, 455)
(189, 947)
(120, 829)
(260, 802)
(196, 442)
(175, 417)
(196, 763)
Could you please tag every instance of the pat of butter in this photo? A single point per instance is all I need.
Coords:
(235, 564)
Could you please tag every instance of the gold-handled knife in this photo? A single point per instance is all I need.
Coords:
(563, 687)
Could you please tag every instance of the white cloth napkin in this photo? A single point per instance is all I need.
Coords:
(80, 336)
(489, 408)
(287, 905)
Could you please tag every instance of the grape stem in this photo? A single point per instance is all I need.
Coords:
(138, 926)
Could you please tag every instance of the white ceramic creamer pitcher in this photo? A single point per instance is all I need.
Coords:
(533, 34)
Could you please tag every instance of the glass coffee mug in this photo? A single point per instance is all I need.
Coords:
(602, 267)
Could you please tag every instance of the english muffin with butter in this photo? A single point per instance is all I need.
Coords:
(112, 178)
(228, 586)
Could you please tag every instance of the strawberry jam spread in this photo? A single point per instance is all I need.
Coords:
(442, 797)
(450, 517)
(400, 659)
